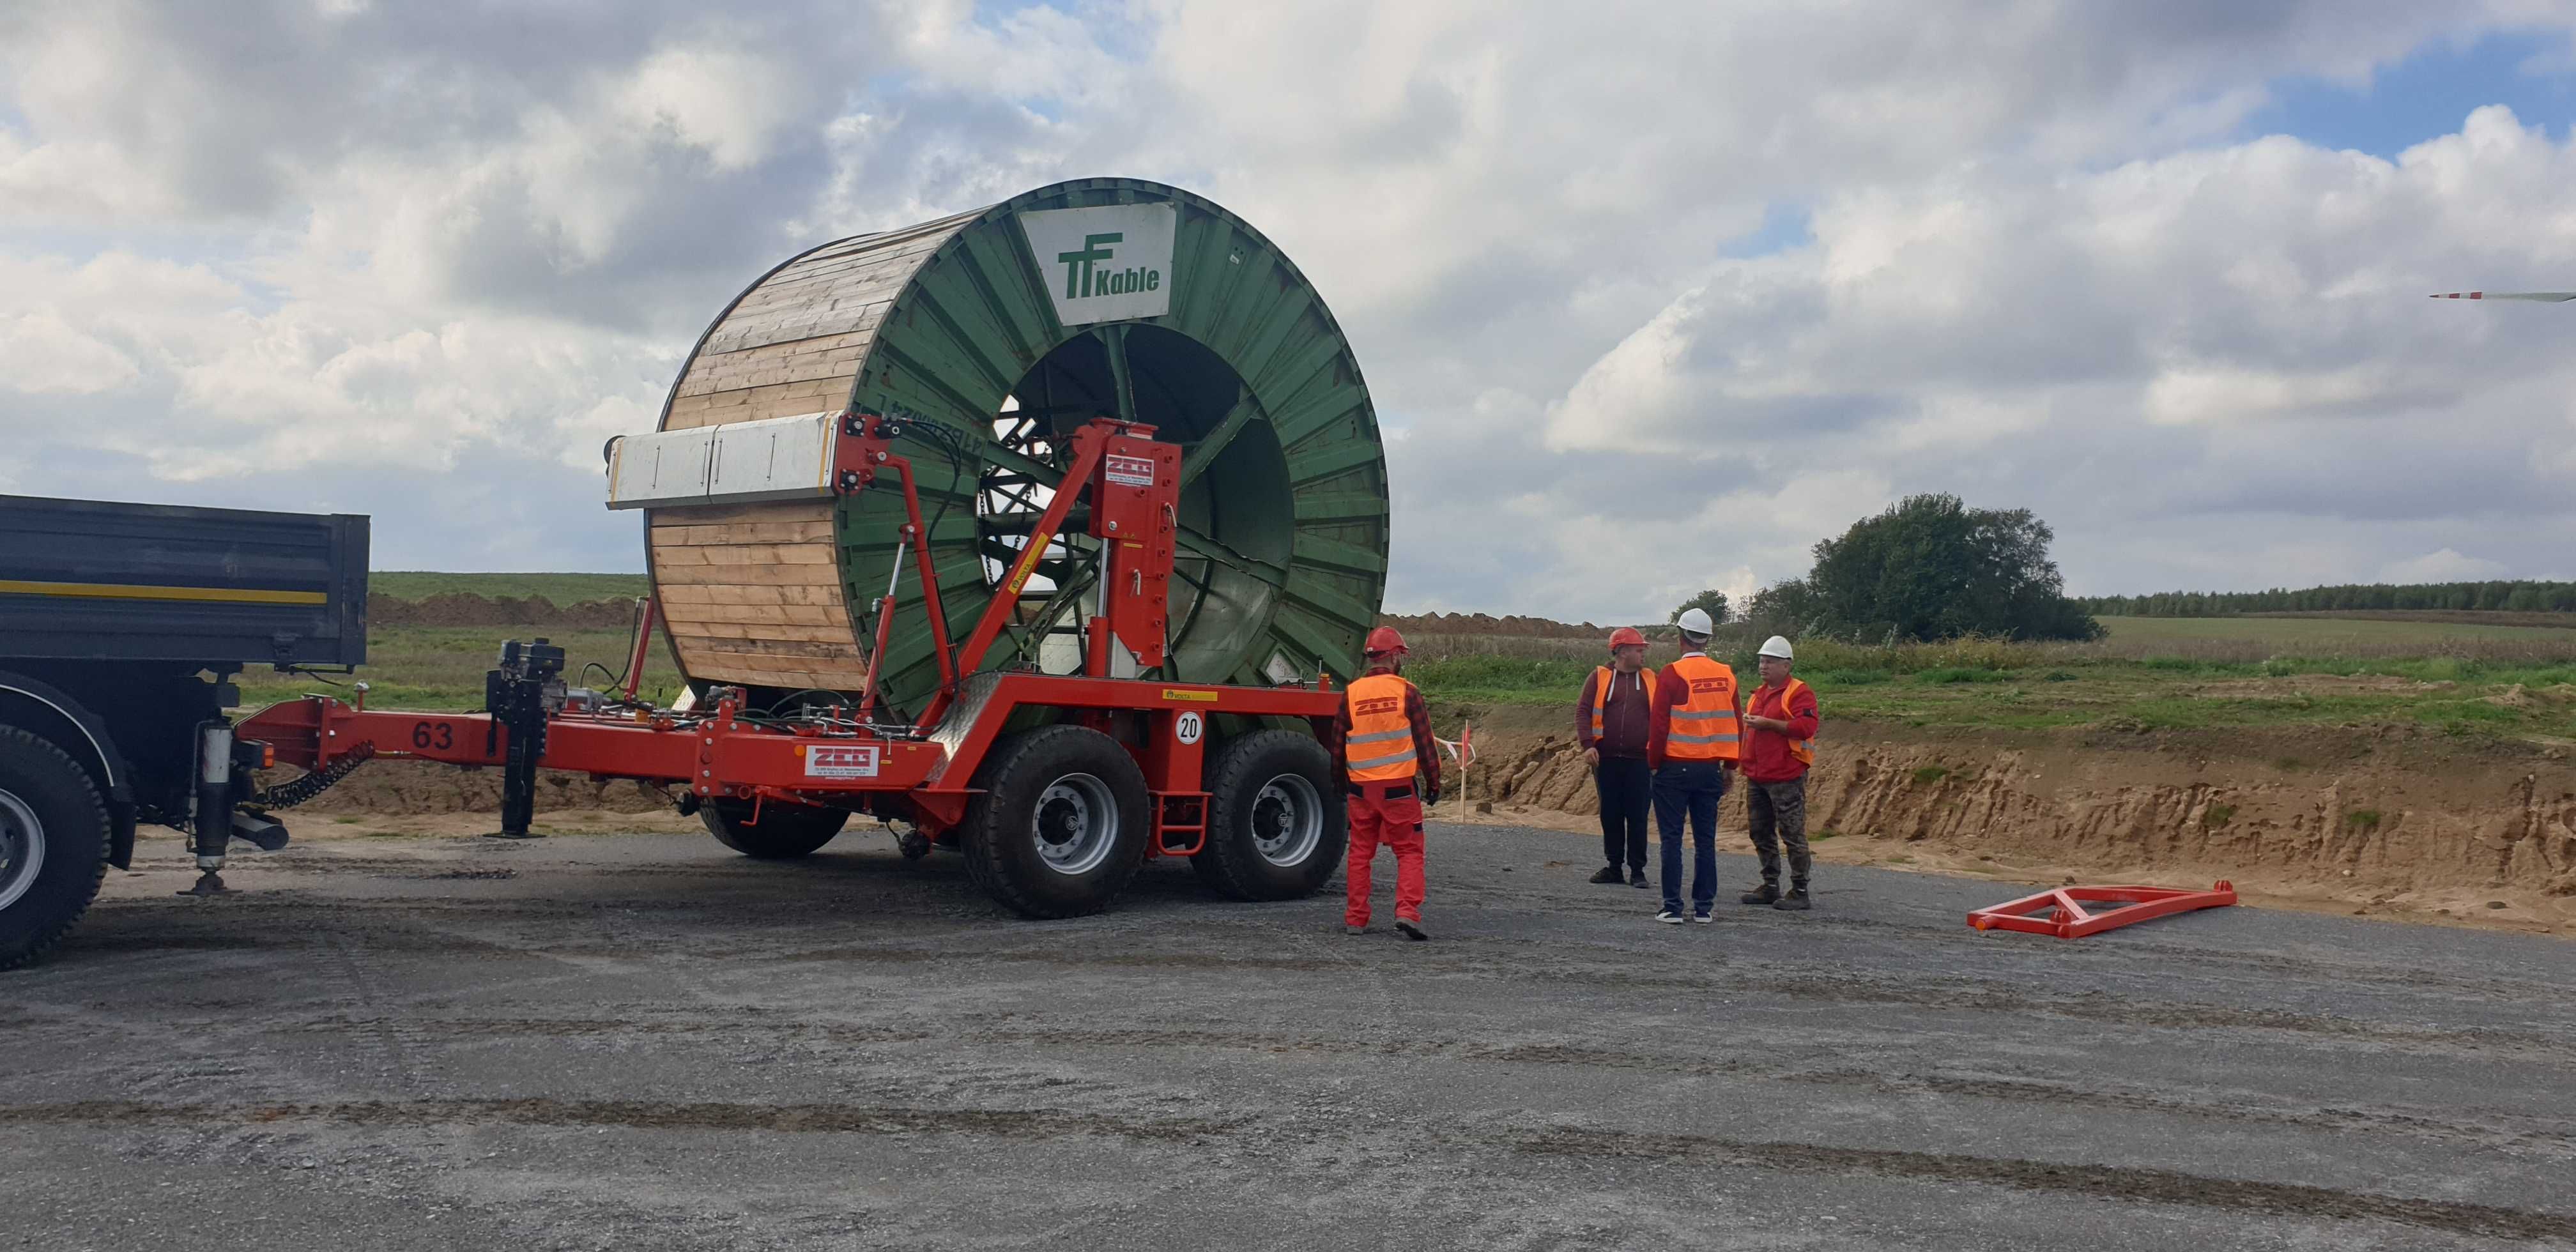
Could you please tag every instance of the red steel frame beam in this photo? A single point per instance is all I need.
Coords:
(1006, 597)
(2067, 918)
(722, 756)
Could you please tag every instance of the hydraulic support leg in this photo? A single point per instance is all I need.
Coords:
(522, 693)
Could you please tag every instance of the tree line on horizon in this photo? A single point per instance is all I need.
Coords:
(2499, 596)
(1929, 567)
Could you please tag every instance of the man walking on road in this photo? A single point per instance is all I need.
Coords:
(1691, 743)
(1610, 721)
(1390, 767)
(1780, 726)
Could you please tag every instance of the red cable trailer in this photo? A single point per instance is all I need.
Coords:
(1056, 788)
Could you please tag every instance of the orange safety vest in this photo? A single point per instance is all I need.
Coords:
(1601, 679)
(1704, 726)
(1804, 750)
(1380, 747)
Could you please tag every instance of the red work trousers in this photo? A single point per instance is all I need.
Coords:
(1396, 821)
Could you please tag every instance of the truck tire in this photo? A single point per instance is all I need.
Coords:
(785, 831)
(1061, 824)
(53, 845)
(1276, 822)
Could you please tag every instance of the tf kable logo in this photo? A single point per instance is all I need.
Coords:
(1105, 264)
(1086, 272)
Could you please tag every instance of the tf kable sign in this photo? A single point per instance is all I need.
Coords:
(1107, 264)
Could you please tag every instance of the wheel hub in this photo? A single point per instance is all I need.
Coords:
(22, 848)
(1075, 824)
(1287, 820)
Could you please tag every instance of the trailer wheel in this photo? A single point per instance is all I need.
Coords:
(785, 831)
(53, 845)
(1061, 825)
(1276, 823)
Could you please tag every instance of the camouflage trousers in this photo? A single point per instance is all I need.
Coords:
(1776, 814)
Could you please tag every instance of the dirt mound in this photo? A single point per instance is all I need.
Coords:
(2374, 817)
(465, 608)
(1487, 624)
(421, 788)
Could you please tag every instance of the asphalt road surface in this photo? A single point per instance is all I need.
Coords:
(649, 1042)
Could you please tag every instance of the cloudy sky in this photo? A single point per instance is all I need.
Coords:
(1651, 296)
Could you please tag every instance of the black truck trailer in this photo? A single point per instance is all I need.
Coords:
(121, 629)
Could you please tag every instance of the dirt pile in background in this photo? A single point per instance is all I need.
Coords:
(1486, 624)
(417, 788)
(2381, 818)
(465, 608)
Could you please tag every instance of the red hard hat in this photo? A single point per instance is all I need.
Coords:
(1383, 641)
(1626, 636)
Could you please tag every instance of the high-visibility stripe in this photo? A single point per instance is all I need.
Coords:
(1376, 705)
(133, 591)
(1706, 704)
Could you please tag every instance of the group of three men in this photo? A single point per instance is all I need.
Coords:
(1672, 739)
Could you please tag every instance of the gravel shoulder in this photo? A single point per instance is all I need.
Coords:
(644, 1041)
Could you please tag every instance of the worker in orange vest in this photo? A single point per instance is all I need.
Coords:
(1780, 729)
(1692, 744)
(1390, 767)
(1610, 721)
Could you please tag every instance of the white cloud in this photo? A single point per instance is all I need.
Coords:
(2444, 566)
(40, 352)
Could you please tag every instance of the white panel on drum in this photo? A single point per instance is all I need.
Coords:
(668, 468)
(777, 458)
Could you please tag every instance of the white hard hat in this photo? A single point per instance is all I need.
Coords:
(1777, 645)
(1695, 621)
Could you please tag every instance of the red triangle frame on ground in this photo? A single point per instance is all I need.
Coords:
(2067, 918)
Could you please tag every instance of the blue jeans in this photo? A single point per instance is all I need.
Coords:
(1689, 790)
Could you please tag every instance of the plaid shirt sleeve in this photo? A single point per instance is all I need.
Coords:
(1426, 751)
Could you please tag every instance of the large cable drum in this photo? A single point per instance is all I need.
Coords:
(991, 336)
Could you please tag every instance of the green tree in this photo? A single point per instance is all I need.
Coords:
(1787, 606)
(1713, 601)
(1930, 567)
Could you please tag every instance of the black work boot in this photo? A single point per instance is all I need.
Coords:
(1796, 900)
(1768, 892)
(1609, 874)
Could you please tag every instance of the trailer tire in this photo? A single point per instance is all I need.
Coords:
(1061, 822)
(53, 845)
(785, 831)
(1276, 824)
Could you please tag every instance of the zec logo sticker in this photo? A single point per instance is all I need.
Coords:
(1188, 727)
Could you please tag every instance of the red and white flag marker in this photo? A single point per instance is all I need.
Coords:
(1462, 750)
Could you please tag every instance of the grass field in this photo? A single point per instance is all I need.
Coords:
(2341, 635)
(441, 668)
(559, 588)
(2151, 673)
